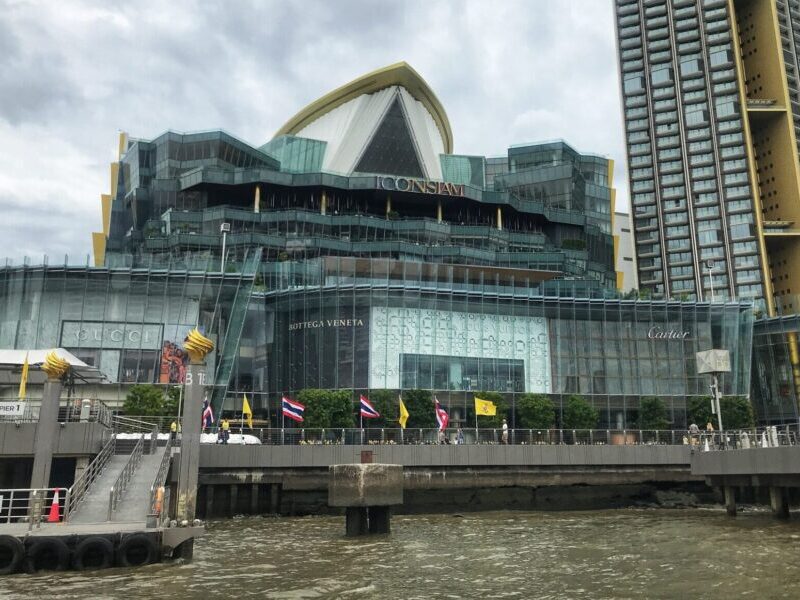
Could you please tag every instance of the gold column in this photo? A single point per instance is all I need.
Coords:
(388, 205)
(257, 200)
(439, 211)
(323, 205)
(499, 218)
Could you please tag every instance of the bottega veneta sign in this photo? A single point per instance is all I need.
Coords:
(420, 186)
(319, 324)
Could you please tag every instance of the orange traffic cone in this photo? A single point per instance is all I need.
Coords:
(54, 515)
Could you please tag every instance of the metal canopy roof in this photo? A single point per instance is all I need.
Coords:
(11, 362)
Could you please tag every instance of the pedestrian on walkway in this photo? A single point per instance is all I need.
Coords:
(226, 431)
(505, 431)
(173, 430)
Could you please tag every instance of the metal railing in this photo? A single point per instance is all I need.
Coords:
(92, 472)
(159, 495)
(117, 490)
(30, 505)
(142, 429)
(772, 436)
(68, 412)
(372, 436)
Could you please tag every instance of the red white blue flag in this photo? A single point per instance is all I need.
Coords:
(441, 415)
(292, 409)
(367, 410)
(208, 415)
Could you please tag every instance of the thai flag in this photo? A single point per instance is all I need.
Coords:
(367, 410)
(441, 415)
(208, 415)
(292, 409)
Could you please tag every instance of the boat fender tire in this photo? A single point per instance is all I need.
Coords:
(11, 554)
(137, 550)
(48, 554)
(93, 553)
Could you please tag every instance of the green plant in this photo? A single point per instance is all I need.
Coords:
(327, 408)
(652, 413)
(536, 411)
(385, 402)
(146, 400)
(698, 410)
(579, 414)
(501, 413)
(392, 215)
(737, 412)
(419, 405)
(172, 400)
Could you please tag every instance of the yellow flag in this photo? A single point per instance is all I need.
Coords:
(403, 414)
(247, 412)
(485, 408)
(23, 382)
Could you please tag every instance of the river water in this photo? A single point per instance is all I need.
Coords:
(635, 553)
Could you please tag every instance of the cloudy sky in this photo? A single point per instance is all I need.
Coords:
(73, 74)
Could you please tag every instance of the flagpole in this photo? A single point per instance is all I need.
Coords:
(241, 425)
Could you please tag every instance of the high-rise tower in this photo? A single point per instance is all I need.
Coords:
(711, 101)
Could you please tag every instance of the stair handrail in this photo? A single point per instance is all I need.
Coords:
(77, 491)
(131, 425)
(158, 501)
(116, 491)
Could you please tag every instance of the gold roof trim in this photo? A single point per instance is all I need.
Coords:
(400, 74)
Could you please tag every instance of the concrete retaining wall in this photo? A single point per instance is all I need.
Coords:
(73, 439)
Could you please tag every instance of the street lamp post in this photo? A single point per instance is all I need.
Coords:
(224, 228)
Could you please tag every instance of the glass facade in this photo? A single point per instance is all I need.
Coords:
(691, 191)
(776, 369)
(364, 325)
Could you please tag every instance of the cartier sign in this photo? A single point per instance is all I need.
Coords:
(420, 186)
(657, 333)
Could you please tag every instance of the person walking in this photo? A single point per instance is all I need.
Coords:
(173, 430)
(226, 431)
(459, 436)
(505, 432)
(694, 434)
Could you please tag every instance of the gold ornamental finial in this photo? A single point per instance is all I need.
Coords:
(55, 366)
(197, 345)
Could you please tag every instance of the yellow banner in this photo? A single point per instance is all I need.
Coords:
(248, 414)
(403, 414)
(485, 408)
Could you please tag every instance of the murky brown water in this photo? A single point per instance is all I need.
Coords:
(608, 554)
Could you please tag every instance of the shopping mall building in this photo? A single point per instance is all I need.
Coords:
(354, 250)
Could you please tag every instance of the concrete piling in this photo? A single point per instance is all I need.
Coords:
(779, 500)
(366, 491)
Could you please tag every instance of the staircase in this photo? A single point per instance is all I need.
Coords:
(129, 467)
(228, 351)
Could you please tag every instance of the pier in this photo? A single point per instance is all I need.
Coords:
(117, 509)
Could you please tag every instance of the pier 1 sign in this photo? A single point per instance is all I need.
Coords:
(12, 409)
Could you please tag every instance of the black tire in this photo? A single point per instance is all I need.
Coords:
(47, 554)
(11, 554)
(137, 550)
(93, 553)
